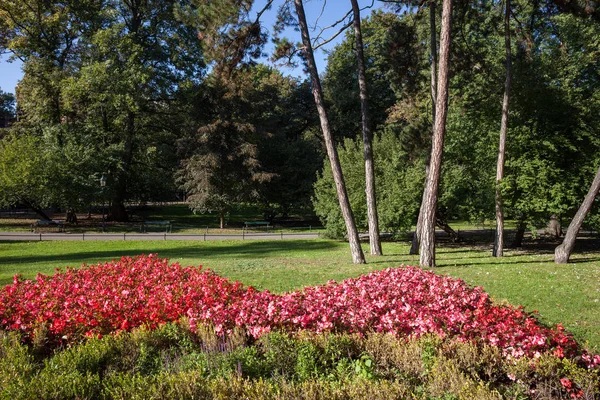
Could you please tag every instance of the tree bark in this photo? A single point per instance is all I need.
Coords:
(563, 252)
(222, 219)
(416, 240)
(430, 195)
(374, 239)
(442, 222)
(499, 239)
(518, 241)
(35, 209)
(340, 185)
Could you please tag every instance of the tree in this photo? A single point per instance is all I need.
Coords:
(7, 108)
(430, 193)
(499, 238)
(283, 109)
(374, 240)
(416, 239)
(392, 68)
(50, 174)
(563, 252)
(221, 173)
(355, 249)
(112, 68)
(23, 179)
(553, 146)
(397, 200)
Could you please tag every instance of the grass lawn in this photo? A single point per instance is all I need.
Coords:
(567, 293)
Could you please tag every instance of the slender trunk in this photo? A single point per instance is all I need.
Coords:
(563, 252)
(222, 219)
(416, 240)
(340, 185)
(427, 258)
(442, 222)
(518, 241)
(374, 240)
(35, 209)
(499, 239)
(434, 60)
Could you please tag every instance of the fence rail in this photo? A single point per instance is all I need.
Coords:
(32, 237)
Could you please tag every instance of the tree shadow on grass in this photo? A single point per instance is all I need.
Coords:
(499, 262)
(249, 249)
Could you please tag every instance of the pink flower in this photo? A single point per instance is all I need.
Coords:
(147, 290)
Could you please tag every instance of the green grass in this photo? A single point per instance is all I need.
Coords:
(569, 294)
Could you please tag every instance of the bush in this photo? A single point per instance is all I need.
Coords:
(285, 366)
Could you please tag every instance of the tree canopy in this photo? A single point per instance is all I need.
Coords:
(176, 99)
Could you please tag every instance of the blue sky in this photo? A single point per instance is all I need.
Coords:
(320, 14)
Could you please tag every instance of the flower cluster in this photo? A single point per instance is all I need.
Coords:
(113, 296)
(147, 290)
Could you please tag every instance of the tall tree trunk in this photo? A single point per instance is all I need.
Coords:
(222, 219)
(518, 241)
(117, 206)
(499, 239)
(563, 252)
(416, 240)
(340, 185)
(374, 239)
(430, 195)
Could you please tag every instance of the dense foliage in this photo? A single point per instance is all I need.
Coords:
(398, 193)
(171, 100)
(552, 141)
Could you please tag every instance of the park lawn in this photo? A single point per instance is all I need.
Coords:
(567, 294)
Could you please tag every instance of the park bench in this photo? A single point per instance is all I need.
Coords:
(251, 224)
(167, 224)
(49, 223)
(364, 236)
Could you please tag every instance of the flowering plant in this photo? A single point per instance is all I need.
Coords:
(147, 290)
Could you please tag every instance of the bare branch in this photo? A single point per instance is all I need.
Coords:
(335, 24)
(261, 12)
(320, 15)
(342, 29)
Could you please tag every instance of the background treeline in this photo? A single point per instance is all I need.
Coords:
(169, 99)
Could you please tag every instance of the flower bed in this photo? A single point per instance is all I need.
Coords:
(147, 290)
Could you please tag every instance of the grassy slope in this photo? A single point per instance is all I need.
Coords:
(568, 293)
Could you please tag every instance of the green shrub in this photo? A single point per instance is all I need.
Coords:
(17, 365)
(171, 362)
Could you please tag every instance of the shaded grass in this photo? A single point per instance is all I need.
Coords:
(568, 294)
